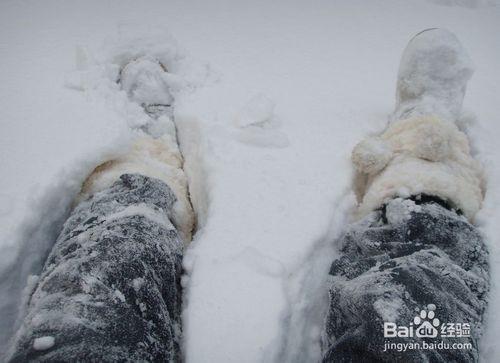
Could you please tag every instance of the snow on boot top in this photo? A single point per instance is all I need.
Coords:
(433, 75)
(145, 83)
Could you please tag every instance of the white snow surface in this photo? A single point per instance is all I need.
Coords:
(270, 98)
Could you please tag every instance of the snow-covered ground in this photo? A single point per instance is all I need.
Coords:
(271, 98)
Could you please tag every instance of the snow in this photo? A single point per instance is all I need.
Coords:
(259, 111)
(399, 210)
(119, 295)
(137, 283)
(270, 99)
(145, 81)
(388, 308)
(43, 343)
(142, 210)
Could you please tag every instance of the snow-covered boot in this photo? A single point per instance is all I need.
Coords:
(422, 151)
(155, 152)
(413, 270)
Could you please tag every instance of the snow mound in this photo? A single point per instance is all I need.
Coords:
(43, 343)
(257, 112)
(145, 81)
(258, 124)
(399, 210)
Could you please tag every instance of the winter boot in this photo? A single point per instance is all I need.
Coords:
(156, 152)
(422, 151)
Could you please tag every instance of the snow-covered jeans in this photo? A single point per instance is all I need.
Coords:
(110, 289)
(412, 255)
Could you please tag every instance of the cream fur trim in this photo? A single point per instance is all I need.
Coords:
(157, 158)
(419, 155)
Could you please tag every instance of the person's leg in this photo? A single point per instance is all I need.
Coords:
(413, 259)
(110, 288)
(394, 264)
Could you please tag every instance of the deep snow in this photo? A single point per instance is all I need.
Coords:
(272, 98)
